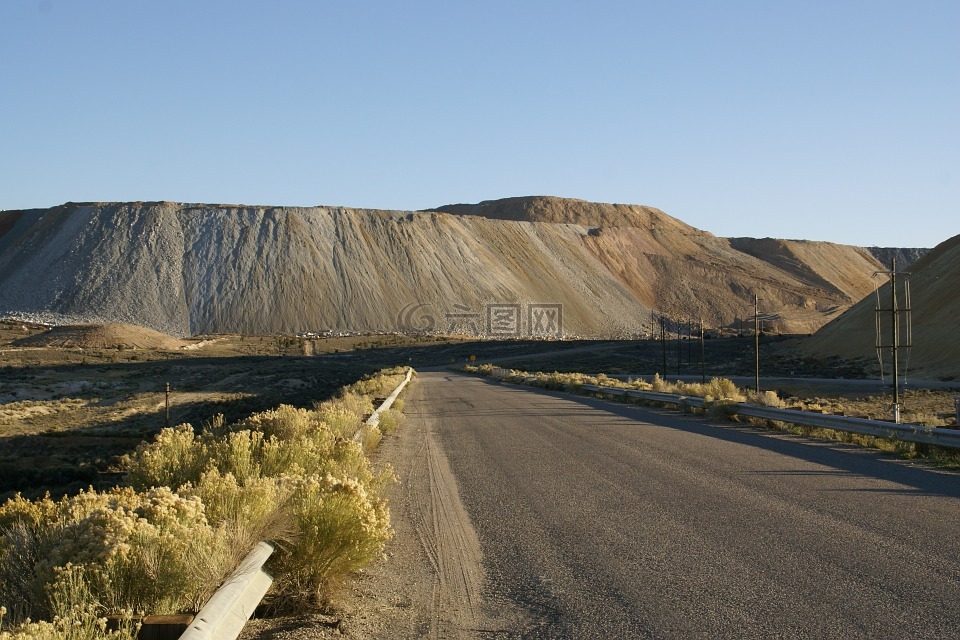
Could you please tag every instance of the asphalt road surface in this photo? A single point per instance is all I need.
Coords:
(602, 520)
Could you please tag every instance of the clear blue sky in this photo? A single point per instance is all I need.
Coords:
(825, 120)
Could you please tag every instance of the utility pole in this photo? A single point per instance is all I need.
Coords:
(166, 421)
(703, 360)
(895, 329)
(663, 343)
(756, 341)
(679, 347)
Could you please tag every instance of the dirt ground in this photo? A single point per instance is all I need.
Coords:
(66, 414)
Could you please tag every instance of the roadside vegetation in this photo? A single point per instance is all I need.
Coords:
(192, 504)
(717, 390)
(719, 393)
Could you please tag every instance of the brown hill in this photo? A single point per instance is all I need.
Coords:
(185, 269)
(570, 211)
(934, 285)
(102, 336)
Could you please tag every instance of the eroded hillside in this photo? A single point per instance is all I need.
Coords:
(497, 268)
(935, 307)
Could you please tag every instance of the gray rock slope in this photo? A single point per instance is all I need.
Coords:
(186, 269)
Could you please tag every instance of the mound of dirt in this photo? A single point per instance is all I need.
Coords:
(934, 282)
(570, 211)
(103, 336)
(496, 268)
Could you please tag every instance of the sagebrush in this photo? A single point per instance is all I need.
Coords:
(191, 506)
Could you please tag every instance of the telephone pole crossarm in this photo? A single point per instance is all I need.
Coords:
(898, 338)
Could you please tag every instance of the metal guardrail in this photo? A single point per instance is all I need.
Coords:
(228, 610)
(878, 428)
(374, 418)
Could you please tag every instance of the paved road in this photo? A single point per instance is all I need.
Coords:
(598, 520)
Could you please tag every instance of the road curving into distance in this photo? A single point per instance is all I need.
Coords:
(597, 519)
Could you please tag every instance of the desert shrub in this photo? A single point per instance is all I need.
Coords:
(120, 549)
(342, 421)
(283, 422)
(22, 550)
(765, 399)
(347, 404)
(340, 528)
(723, 389)
(390, 420)
(79, 623)
(370, 437)
(173, 458)
(659, 384)
(246, 512)
(194, 505)
(377, 386)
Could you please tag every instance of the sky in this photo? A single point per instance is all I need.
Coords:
(822, 120)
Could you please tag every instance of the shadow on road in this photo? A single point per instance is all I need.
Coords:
(843, 458)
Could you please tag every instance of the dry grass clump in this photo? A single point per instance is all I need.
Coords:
(194, 504)
(80, 623)
(718, 390)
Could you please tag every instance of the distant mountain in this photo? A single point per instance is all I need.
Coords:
(507, 267)
(935, 307)
(904, 257)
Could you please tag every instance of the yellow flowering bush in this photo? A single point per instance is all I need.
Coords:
(342, 421)
(341, 527)
(193, 505)
(80, 623)
(170, 460)
(152, 550)
(284, 422)
(246, 511)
